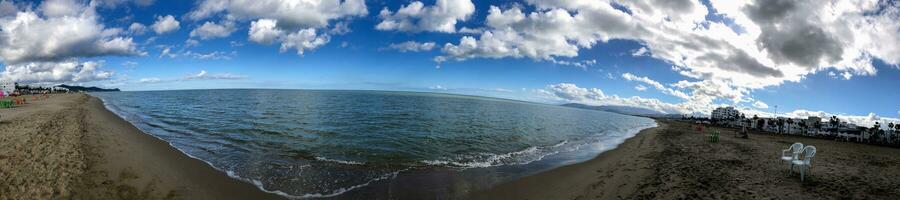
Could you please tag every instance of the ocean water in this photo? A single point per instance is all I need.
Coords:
(307, 144)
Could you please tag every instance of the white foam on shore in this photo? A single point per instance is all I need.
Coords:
(531, 154)
(346, 162)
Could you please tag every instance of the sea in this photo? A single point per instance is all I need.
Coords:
(371, 144)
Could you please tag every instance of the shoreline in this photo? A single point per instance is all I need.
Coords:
(102, 156)
(569, 181)
(195, 178)
(72, 146)
(675, 161)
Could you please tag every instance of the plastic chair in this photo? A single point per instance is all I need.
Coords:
(794, 151)
(808, 153)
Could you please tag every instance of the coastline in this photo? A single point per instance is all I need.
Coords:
(102, 157)
(580, 180)
(674, 161)
(72, 147)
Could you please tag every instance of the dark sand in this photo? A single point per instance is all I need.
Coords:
(70, 147)
(675, 162)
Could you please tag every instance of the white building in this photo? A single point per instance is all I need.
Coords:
(722, 113)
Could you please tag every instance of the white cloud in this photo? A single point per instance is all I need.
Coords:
(165, 24)
(640, 88)
(211, 30)
(640, 52)
(65, 31)
(760, 105)
(568, 92)
(295, 24)
(655, 84)
(583, 64)
(191, 43)
(761, 44)
(137, 28)
(412, 46)
(846, 75)
(202, 75)
(263, 31)
(437, 87)
(302, 40)
(55, 72)
(43, 46)
(215, 55)
(416, 17)
(167, 51)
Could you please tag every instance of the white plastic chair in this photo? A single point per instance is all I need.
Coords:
(808, 153)
(791, 154)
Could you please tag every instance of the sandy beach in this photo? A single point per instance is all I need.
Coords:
(675, 162)
(70, 147)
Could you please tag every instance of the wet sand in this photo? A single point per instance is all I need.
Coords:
(675, 162)
(70, 147)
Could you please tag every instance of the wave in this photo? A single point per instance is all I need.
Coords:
(346, 162)
(532, 154)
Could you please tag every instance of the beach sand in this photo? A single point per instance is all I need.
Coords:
(70, 147)
(675, 162)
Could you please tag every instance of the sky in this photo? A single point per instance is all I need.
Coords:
(794, 58)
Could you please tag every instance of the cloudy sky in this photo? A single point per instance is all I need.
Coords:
(807, 57)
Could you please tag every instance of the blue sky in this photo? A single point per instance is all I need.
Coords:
(682, 58)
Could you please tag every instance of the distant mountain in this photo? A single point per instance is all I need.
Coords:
(625, 110)
(87, 89)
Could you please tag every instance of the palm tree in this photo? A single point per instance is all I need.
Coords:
(835, 122)
(780, 123)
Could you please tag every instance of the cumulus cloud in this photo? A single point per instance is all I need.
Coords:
(759, 43)
(55, 72)
(212, 30)
(165, 24)
(296, 25)
(137, 28)
(64, 30)
(202, 75)
(263, 31)
(416, 17)
(266, 31)
(412, 46)
(304, 39)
